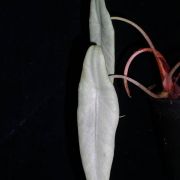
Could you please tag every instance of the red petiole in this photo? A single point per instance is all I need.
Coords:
(170, 87)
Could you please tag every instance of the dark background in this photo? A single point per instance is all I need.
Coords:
(42, 46)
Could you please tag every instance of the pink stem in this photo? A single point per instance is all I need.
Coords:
(146, 90)
(168, 82)
(174, 70)
(160, 64)
(177, 78)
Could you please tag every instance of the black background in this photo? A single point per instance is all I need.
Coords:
(42, 49)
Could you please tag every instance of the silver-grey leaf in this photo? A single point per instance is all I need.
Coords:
(102, 32)
(98, 115)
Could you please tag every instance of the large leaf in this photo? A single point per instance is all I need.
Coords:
(98, 115)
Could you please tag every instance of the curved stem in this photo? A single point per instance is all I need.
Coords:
(137, 27)
(173, 70)
(177, 78)
(146, 90)
(163, 67)
(168, 83)
(133, 56)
